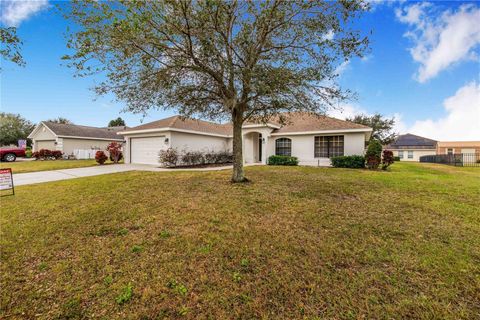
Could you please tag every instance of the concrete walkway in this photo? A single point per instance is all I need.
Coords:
(21, 179)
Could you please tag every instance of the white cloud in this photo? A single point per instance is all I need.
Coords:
(329, 35)
(462, 121)
(15, 12)
(342, 67)
(346, 111)
(440, 39)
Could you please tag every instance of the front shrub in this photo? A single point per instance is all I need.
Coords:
(193, 158)
(169, 157)
(396, 158)
(373, 156)
(28, 153)
(355, 162)
(56, 154)
(115, 151)
(282, 161)
(100, 157)
(387, 159)
(172, 158)
(45, 154)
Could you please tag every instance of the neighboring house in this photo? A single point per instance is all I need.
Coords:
(70, 137)
(409, 147)
(313, 139)
(456, 147)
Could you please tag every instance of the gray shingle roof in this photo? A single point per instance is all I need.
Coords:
(412, 141)
(295, 122)
(73, 130)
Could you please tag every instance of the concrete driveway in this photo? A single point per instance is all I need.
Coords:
(21, 179)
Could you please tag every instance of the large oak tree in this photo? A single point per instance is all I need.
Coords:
(221, 60)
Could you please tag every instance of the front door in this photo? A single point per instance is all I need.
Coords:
(259, 147)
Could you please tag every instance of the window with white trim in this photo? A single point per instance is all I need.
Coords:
(328, 146)
(410, 154)
(400, 154)
(283, 147)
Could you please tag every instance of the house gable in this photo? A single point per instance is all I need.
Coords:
(42, 132)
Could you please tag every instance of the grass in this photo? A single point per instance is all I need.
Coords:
(38, 165)
(295, 243)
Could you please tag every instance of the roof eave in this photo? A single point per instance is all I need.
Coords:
(165, 129)
(366, 130)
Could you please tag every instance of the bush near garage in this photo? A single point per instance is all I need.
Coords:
(100, 157)
(354, 162)
(45, 154)
(28, 152)
(169, 157)
(115, 151)
(172, 157)
(282, 161)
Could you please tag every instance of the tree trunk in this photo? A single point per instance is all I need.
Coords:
(237, 120)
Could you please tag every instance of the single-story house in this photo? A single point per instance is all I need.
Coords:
(71, 137)
(314, 139)
(456, 147)
(410, 147)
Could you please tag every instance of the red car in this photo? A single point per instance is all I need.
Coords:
(11, 154)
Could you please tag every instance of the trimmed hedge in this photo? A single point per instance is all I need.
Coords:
(282, 161)
(355, 162)
(396, 158)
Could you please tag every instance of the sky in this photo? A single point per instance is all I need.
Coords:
(423, 68)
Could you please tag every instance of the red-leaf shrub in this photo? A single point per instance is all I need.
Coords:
(46, 154)
(57, 154)
(100, 157)
(387, 159)
(115, 151)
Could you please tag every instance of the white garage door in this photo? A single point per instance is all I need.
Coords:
(145, 150)
(44, 144)
(468, 150)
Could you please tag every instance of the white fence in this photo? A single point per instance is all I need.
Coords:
(81, 154)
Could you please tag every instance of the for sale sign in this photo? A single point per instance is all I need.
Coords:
(6, 181)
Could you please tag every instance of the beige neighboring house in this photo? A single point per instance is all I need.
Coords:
(410, 147)
(456, 147)
(70, 138)
(313, 139)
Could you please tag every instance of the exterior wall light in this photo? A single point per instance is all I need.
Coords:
(166, 140)
(263, 140)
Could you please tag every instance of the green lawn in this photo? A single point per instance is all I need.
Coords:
(38, 165)
(295, 243)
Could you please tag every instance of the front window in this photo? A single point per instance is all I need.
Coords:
(283, 147)
(328, 146)
(450, 151)
(400, 154)
(410, 154)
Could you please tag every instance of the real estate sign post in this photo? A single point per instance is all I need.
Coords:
(6, 182)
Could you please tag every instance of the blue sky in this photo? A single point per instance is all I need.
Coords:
(423, 68)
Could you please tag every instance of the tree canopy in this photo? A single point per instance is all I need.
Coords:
(13, 127)
(116, 122)
(10, 45)
(217, 59)
(60, 120)
(383, 128)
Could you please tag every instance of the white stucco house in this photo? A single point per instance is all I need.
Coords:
(410, 147)
(314, 139)
(71, 137)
